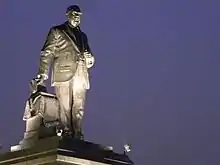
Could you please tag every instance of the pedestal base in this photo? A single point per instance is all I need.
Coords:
(66, 150)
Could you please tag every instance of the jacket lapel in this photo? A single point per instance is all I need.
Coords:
(67, 31)
(70, 33)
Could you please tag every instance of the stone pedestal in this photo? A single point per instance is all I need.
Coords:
(63, 151)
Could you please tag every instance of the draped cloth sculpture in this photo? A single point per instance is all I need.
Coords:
(67, 50)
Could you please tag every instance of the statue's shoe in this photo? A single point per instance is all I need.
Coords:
(79, 135)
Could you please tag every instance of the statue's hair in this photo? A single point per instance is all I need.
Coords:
(72, 8)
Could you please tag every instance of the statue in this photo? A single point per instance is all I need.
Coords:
(53, 132)
(67, 50)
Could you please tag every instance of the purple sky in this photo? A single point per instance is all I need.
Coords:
(156, 80)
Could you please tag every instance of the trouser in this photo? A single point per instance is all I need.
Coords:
(71, 99)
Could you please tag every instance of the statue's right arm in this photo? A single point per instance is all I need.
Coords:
(47, 53)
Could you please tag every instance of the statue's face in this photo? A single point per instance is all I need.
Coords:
(73, 18)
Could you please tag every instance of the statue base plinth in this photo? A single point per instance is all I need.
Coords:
(65, 150)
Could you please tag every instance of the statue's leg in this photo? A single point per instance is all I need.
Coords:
(79, 97)
(64, 95)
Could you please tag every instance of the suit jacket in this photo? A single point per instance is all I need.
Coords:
(62, 49)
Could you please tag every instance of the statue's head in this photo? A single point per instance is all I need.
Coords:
(73, 14)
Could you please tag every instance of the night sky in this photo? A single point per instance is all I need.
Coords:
(155, 83)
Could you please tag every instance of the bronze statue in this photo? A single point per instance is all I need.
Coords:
(67, 50)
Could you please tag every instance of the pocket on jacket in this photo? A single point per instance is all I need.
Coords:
(64, 68)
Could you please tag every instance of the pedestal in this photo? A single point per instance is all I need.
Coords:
(63, 151)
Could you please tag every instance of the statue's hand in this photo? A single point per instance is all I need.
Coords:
(37, 82)
(89, 59)
(40, 79)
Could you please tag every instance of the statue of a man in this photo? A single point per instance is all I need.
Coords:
(67, 49)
